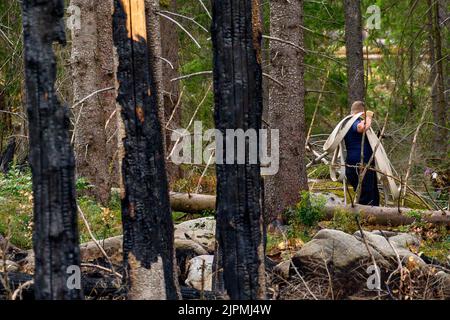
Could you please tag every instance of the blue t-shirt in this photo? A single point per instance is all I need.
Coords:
(353, 144)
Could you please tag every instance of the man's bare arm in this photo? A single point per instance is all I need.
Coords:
(367, 123)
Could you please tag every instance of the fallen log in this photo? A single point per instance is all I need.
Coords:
(389, 216)
(192, 203)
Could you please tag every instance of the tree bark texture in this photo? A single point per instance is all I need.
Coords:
(55, 238)
(147, 223)
(236, 35)
(354, 50)
(170, 47)
(287, 108)
(7, 156)
(93, 70)
(437, 80)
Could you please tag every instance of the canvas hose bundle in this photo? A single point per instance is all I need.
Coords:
(335, 147)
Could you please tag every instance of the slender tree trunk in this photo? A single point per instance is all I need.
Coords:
(93, 69)
(171, 89)
(3, 117)
(437, 81)
(354, 50)
(149, 255)
(286, 108)
(236, 36)
(55, 238)
(444, 22)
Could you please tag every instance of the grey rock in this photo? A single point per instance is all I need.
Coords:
(400, 242)
(200, 273)
(345, 251)
(282, 269)
(189, 247)
(331, 199)
(333, 246)
(201, 231)
(11, 266)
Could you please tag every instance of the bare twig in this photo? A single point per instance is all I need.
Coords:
(18, 292)
(268, 76)
(413, 149)
(192, 120)
(181, 27)
(95, 266)
(374, 261)
(175, 108)
(185, 17)
(432, 200)
(81, 109)
(308, 136)
(205, 8)
(201, 73)
(91, 234)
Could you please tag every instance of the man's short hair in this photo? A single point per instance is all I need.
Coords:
(357, 107)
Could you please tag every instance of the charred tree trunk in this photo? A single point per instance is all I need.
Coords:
(93, 70)
(286, 108)
(149, 253)
(7, 157)
(354, 51)
(55, 239)
(171, 89)
(236, 36)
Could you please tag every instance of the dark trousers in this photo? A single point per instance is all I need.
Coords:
(370, 195)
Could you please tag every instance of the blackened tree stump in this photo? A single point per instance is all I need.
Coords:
(55, 238)
(236, 36)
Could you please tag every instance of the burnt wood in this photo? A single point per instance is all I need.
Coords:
(146, 214)
(55, 237)
(236, 36)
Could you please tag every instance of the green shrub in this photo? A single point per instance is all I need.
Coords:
(16, 183)
(344, 221)
(309, 211)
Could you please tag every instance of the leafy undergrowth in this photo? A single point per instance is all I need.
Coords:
(16, 210)
(306, 219)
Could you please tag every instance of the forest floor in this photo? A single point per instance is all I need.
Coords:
(16, 219)
(16, 223)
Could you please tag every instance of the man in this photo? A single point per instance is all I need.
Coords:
(369, 191)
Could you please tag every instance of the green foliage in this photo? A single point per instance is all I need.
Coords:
(438, 250)
(104, 222)
(309, 211)
(16, 183)
(344, 221)
(417, 215)
(82, 184)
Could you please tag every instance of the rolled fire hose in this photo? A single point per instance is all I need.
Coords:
(335, 146)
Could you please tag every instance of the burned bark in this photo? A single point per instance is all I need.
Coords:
(7, 157)
(55, 238)
(354, 51)
(236, 36)
(147, 223)
(287, 108)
